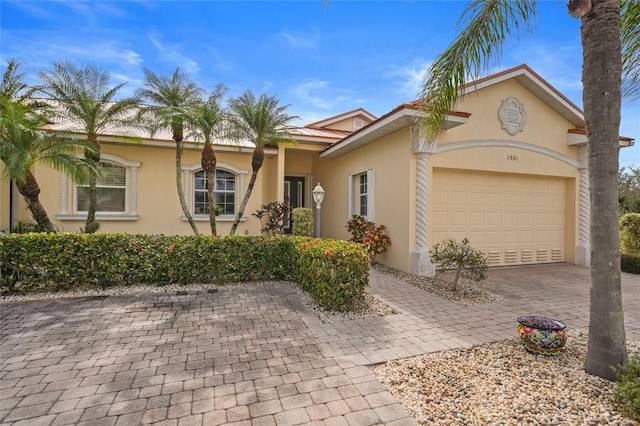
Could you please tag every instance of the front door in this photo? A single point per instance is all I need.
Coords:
(294, 197)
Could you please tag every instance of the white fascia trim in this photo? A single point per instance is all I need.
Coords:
(541, 85)
(345, 116)
(410, 116)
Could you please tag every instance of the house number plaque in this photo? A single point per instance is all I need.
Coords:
(512, 157)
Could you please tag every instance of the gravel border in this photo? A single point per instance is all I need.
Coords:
(502, 384)
(467, 294)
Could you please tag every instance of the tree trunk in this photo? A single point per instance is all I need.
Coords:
(91, 225)
(183, 203)
(208, 163)
(30, 191)
(601, 76)
(256, 164)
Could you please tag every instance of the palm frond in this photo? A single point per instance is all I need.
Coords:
(489, 24)
(262, 121)
(630, 38)
(85, 97)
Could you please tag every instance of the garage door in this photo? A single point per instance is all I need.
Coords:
(514, 219)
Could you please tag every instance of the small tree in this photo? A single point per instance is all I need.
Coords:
(468, 262)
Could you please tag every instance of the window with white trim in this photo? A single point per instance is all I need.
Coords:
(111, 190)
(116, 189)
(361, 195)
(224, 192)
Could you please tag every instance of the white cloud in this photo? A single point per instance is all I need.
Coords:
(408, 78)
(172, 53)
(307, 92)
(299, 40)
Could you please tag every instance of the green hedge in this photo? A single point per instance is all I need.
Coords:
(334, 272)
(630, 263)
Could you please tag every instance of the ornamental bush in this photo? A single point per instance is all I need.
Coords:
(302, 222)
(468, 262)
(324, 263)
(374, 238)
(272, 217)
(630, 233)
(630, 263)
(627, 390)
(57, 262)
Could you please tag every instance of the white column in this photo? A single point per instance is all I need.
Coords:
(421, 259)
(583, 251)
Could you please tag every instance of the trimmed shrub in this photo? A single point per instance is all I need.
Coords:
(630, 263)
(630, 233)
(627, 389)
(334, 272)
(302, 222)
(56, 262)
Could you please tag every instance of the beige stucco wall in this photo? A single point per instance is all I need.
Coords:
(544, 127)
(157, 197)
(391, 159)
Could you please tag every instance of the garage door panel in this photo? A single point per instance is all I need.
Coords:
(515, 219)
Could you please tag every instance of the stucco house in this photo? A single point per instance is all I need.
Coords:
(508, 171)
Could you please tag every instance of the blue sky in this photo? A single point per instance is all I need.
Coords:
(323, 59)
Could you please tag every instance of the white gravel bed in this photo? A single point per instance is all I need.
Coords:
(371, 306)
(111, 291)
(466, 294)
(502, 384)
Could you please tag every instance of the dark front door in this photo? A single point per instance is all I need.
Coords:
(294, 196)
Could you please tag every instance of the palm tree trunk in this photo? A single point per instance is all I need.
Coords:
(601, 76)
(91, 225)
(256, 163)
(208, 162)
(30, 190)
(183, 203)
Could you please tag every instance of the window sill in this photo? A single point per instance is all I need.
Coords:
(99, 217)
(221, 218)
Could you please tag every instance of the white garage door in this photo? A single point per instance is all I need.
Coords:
(514, 219)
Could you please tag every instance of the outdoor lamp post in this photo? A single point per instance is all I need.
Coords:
(318, 196)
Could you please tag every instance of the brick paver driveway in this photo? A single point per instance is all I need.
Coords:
(252, 354)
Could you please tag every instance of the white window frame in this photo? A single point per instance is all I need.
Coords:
(188, 178)
(130, 212)
(354, 194)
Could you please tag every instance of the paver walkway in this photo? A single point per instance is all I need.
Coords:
(252, 355)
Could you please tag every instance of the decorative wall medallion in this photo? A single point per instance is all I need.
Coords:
(512, 115)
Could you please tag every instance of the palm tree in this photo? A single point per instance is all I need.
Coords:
(263, 122)
(85, 97)
(210, 120)
(489, 24)
(173, 103)
(23, 143)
